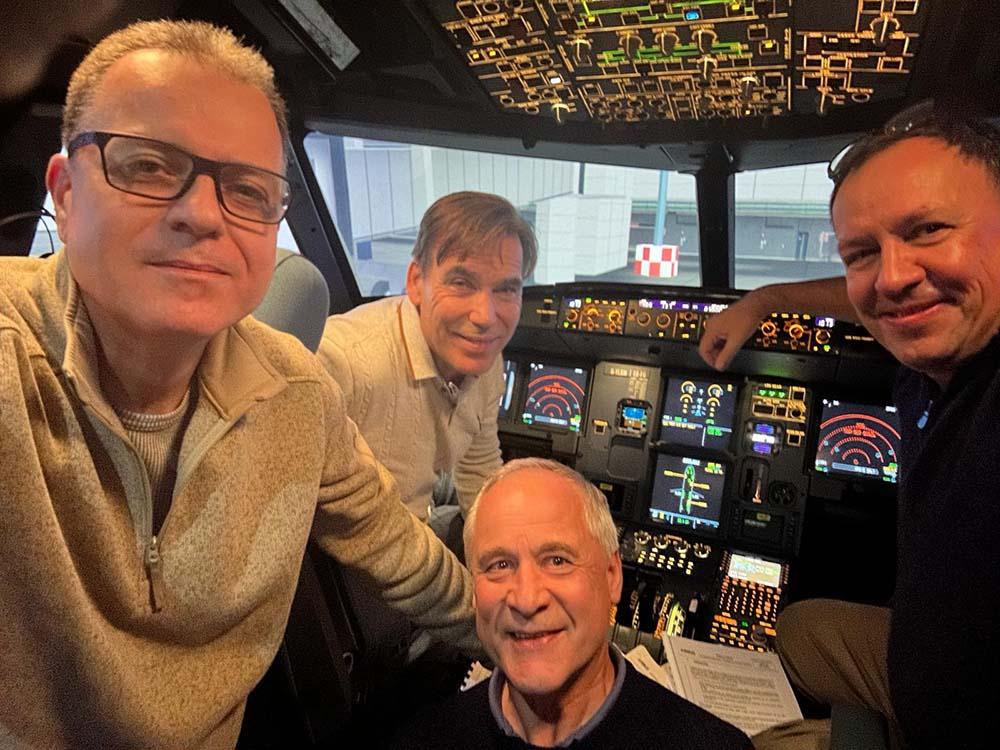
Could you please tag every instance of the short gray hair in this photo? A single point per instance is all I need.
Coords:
(595, 505)
(211, 45)
(463, 223)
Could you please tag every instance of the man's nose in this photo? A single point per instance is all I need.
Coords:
(528, 594)
(484, 309)
(198, 210)
(898, 269)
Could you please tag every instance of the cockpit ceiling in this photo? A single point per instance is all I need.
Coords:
(623, 61)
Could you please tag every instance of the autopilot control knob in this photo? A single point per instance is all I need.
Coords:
(769, 329)
(682, 546)
(642, 537)
(822, 336)
(661, 541)
(643, 318)
(701, 550)
(795, 330)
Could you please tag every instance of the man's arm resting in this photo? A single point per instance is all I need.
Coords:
(361, 522)
(726, 332)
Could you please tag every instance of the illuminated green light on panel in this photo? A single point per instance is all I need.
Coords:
(608, 11)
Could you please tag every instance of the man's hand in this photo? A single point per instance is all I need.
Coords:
(727, 331)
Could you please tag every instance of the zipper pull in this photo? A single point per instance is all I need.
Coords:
(922, 422)
(154, 571)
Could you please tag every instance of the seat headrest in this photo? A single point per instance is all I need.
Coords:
(297, 300)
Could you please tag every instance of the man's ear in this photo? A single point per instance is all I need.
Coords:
(615, 577)
(414, 283)
(59, 185)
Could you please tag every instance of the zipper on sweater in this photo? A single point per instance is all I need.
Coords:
(154, 571)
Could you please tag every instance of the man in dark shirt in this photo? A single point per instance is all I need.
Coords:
(916, 208)
(543, 551)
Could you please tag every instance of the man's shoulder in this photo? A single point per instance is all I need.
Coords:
(30, 303)
(364, 321)
(17, 276)
(665, 717)
(462, 720)
(282, 351)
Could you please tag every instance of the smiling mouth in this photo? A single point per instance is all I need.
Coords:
(192, 267)
(539, 637)
(479, 342)
(909, 311)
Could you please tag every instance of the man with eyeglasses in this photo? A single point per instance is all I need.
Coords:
(916, 209)
(164, 456)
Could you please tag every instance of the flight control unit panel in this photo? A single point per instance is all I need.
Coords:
(707, 474)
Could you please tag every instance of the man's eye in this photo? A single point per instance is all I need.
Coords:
(247, 193)
(498, 566)
(858, 257)
(557, 561)
(928, 229)
(144, 168)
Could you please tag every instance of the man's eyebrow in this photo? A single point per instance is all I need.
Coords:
(550, 547)
(514, 282)
(492, 554)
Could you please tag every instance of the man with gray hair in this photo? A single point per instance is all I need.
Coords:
(164, 455)
(543, 551)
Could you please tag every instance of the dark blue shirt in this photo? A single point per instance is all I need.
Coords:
(944, 642)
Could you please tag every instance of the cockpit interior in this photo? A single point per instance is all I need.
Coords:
(669, 156)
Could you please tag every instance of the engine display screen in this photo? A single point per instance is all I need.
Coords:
(859, 441)
(687, 492)
(557, 397)
(698, 412)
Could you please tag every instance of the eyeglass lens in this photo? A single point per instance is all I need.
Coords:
(158, 170)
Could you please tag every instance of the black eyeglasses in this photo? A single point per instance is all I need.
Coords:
(158, 170)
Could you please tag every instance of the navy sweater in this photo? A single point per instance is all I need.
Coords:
(645, 715)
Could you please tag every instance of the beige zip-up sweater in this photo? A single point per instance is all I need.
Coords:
(112, 638)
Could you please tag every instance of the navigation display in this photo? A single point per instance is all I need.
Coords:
(687, 492)
(858, 441)
(698, 412)
(509, 376)
(755, 569)
(557, 397)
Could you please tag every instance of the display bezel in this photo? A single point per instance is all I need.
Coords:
(506, 416)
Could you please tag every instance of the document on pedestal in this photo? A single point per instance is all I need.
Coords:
(746, 688)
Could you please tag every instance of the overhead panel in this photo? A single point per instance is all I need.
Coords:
(615, 61)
